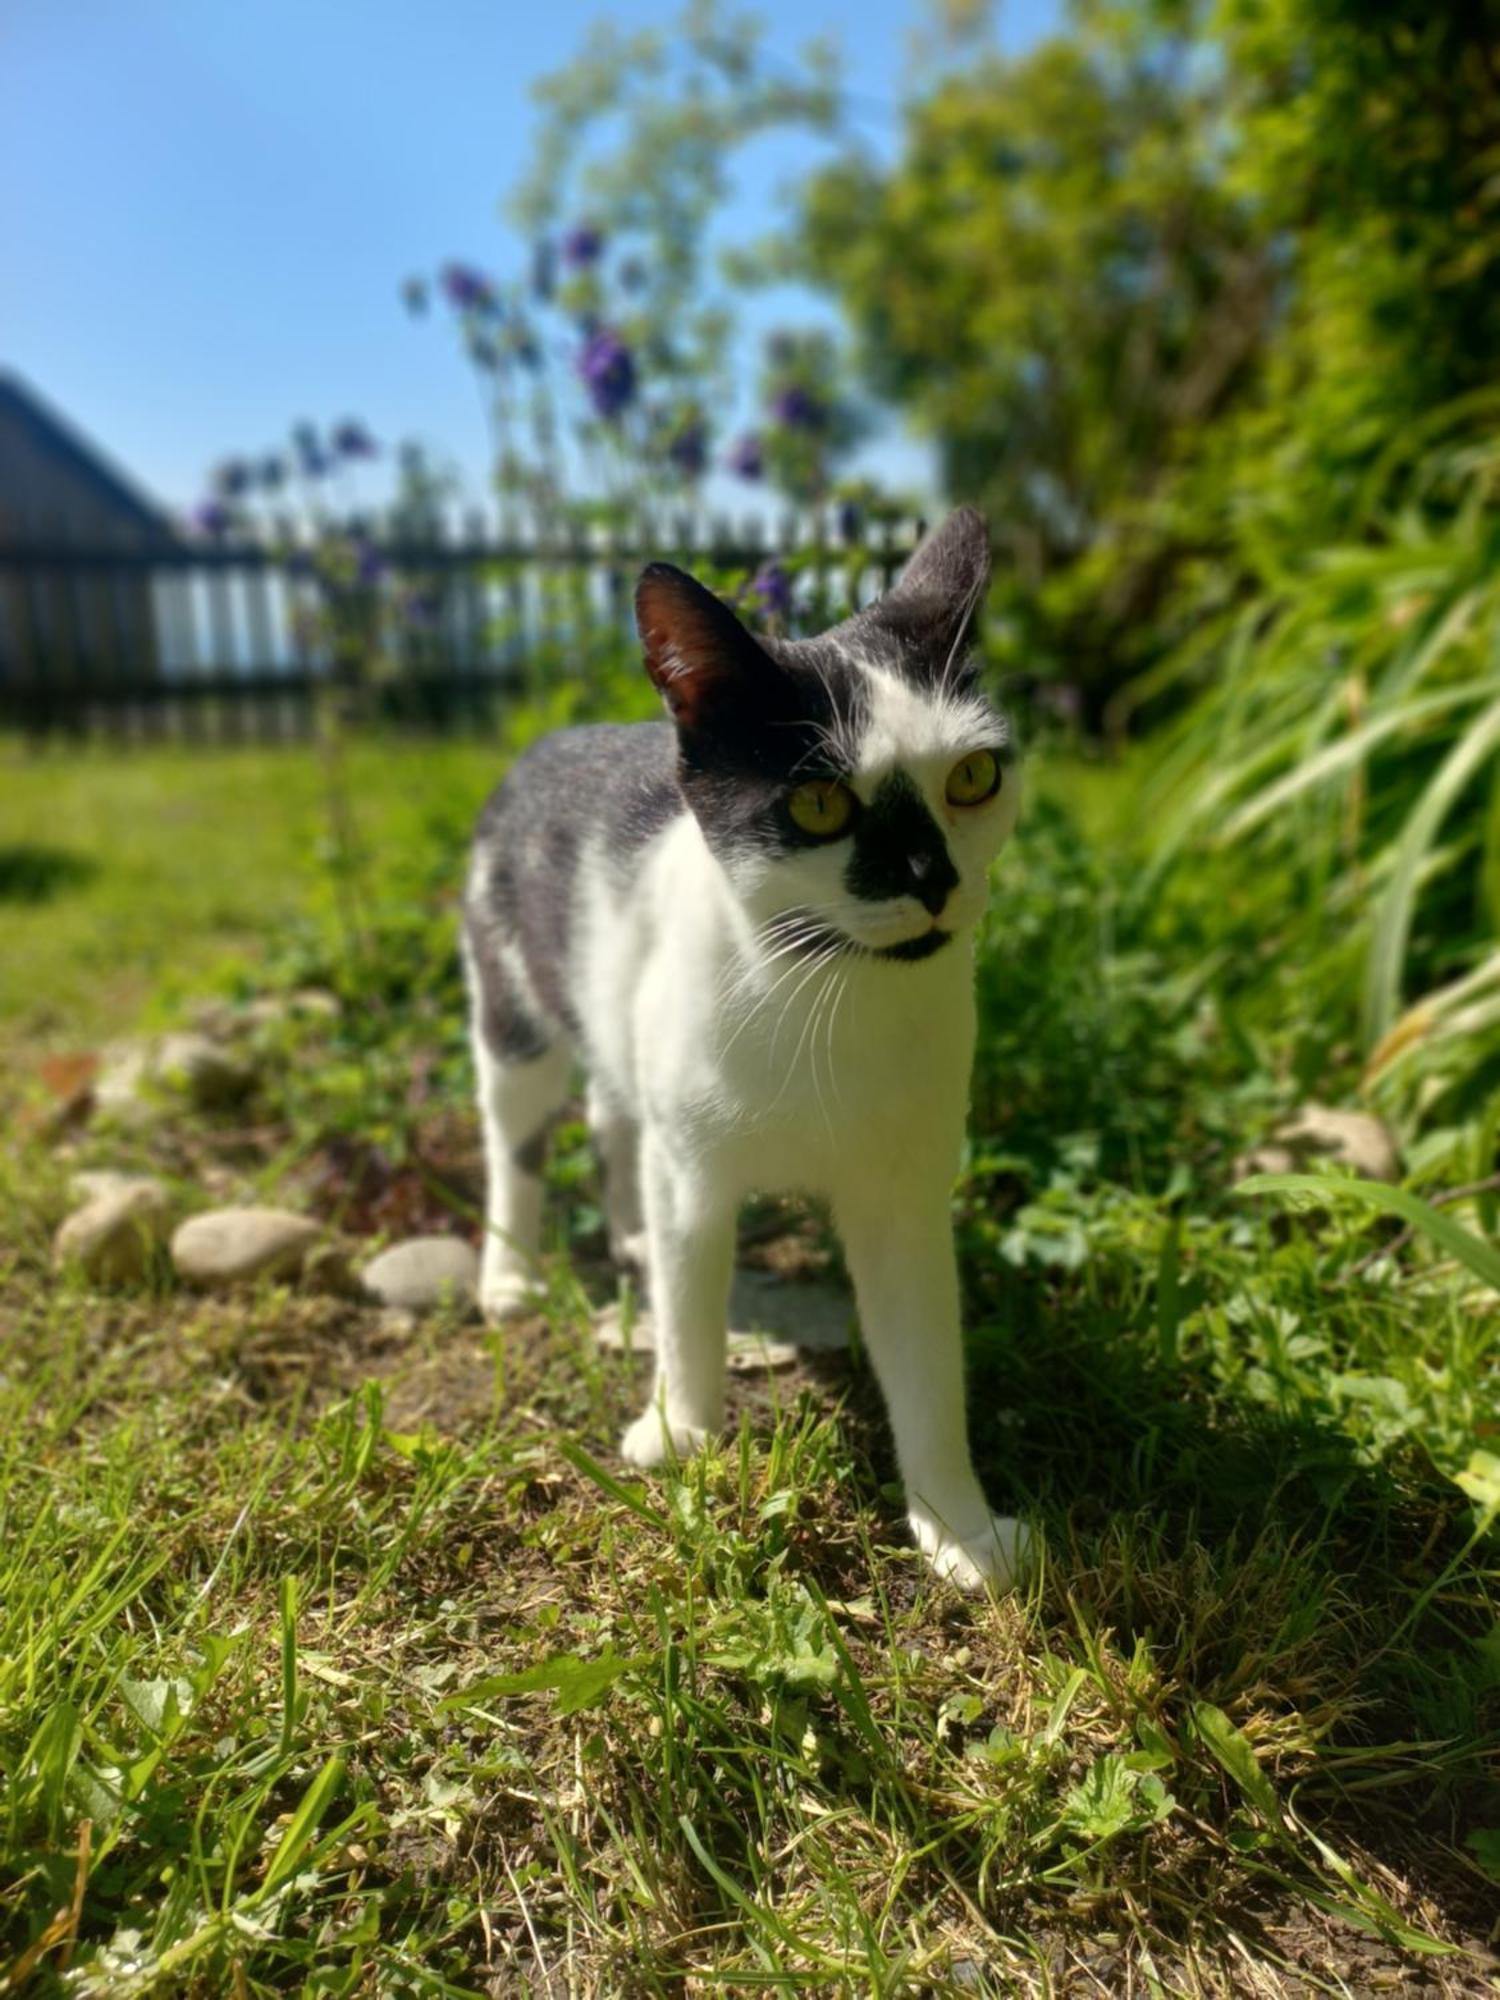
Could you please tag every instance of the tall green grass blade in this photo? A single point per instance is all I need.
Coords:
(1348, 751)
(1482, 1258)
(1394, 915)
(303, 1825)
(628, 1496)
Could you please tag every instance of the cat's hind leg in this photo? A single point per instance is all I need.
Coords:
(617, 1140)
(522, 1079)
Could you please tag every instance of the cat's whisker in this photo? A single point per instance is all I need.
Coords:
(791, 938)
(826, 1007)
(743, 973)
(816, 967)
(833, 1015)
(811, 1015)
(764, 999)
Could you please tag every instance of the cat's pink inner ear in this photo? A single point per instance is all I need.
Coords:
(683, 631)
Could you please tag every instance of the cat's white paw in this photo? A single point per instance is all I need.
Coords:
(993, 1554)
(651, 1440)
(507, 1290)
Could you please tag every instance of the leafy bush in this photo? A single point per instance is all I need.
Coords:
(1335, 778)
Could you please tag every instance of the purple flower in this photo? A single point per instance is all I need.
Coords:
(312, 460)
(414, 295)
(747, 457)
(582, 246)
(799, 409)
(232, 479)
(350, 439)
(607, 368)
(771, 590)
(466, 289)
(420, 607)
(369, 563)
(687, 448)
(212, 517)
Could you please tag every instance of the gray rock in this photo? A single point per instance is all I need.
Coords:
(91, 1182)
(1351, 1138)
(121, 1087)
(226, 1246)
(425, 1272)
(115, 1236)
(224, 1020)
(204, 1071)
(308, 1003)
(134, 1074)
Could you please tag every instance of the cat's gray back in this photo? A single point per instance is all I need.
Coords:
(609, 786)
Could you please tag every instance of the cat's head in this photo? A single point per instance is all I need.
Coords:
(858, 782)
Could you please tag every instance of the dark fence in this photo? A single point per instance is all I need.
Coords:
(226, 642)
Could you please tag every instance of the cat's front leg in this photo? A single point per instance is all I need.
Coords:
(899, 1247)
(690, 1257)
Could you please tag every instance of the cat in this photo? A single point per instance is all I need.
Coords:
(753, 923)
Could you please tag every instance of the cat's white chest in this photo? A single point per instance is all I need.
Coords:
(792, 1065)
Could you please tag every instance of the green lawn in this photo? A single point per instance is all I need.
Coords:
(126, 881)
(340, 1656)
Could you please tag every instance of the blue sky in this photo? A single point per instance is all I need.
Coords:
(207, 208)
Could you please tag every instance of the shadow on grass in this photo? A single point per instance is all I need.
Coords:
(34, 873)
(1267, 1566)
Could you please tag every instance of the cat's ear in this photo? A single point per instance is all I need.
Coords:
(698, 654)
(935, 599)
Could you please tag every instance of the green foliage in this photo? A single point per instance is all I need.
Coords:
(1164, 288)
(1336, 773)
(1060, 285)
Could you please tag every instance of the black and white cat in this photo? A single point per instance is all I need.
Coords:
(753, 925)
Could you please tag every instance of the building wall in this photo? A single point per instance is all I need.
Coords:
(57, 626)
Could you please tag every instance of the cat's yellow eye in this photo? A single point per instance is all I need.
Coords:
(824, 807)
(974, 779)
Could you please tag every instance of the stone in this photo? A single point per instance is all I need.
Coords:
(219, 1018)
(226, 1019)
(120, 1087)
(115, 1237)
(133, 1074)
(1353, 1139)
(226, 1246)
(424, 1272)
(772, 1321)
(90, 1183)
(204, 1071)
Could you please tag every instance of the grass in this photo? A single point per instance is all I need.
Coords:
(342, 1656)
(126, 882)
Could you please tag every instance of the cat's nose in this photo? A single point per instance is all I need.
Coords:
(933, 881)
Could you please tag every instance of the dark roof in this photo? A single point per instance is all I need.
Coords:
(55, 434)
